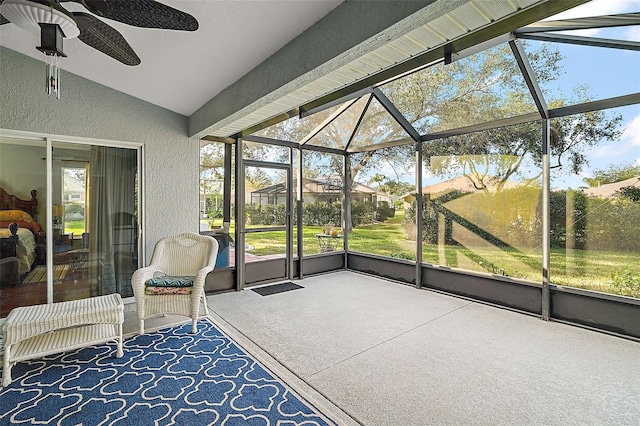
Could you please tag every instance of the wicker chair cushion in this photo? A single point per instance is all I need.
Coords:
(169, 281)
(155, 291)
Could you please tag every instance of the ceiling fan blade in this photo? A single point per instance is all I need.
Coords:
(3, 20)
(104, 38)
(142, 13)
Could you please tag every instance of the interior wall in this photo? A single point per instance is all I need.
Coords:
(90, 110)
(19, 176)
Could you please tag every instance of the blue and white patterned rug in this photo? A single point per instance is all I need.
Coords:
(168, 377)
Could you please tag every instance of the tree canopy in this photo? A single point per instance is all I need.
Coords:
(484, 87)
(614, 173)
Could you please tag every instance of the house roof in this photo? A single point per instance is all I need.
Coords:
(252, 61)
(610, 189)
(460, 183)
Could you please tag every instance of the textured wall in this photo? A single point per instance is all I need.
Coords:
(90, 110)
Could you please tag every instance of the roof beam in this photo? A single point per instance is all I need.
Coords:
(383, 145)
(328, 120)
(323, 149)
(525, 118)
(606, 21)
(270, 141)
(397, 115)
(582, 41)
(529, 77)
(618, 101)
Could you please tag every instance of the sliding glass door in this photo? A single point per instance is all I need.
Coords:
(77, 216)
(95, 247)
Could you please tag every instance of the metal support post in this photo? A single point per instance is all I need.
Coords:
(240, 237)
(419, 221)
(546, 219)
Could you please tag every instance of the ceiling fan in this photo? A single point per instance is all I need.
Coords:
(32, 14)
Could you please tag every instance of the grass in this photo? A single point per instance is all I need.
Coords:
(75, 226)
(385, 239)
(609, 272)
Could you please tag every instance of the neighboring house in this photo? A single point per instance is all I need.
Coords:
(316, 191)
(73, 193)
(610, 189)
(460, 183)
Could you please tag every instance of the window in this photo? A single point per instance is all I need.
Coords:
(74, 196)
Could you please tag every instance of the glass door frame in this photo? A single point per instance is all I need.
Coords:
(138, 233)
(48, 141)
(241, 230)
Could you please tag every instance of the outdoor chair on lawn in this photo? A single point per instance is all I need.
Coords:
(174, 281)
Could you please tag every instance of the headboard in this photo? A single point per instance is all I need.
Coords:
(11, 202)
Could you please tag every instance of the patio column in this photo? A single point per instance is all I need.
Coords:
(299, 204)
(546, 219)
(226, 193)
(240, 237)
(418, 214)
(346, 202)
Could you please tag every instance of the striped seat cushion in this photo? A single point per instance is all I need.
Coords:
(166, 284)
(170, 281)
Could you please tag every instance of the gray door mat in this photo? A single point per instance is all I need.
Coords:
(277, 288)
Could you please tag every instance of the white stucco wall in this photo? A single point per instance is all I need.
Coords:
(90, 110)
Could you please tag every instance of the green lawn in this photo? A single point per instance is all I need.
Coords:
(589, 269)
(75, 226)
(385, 239)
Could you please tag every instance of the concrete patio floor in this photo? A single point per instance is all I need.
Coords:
(373, 352)
(389, 354)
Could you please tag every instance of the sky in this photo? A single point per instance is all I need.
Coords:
(607, 72)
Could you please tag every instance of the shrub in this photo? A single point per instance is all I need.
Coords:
(404, 255)
(384, 211)
(267, 214)
(627, 282)
(318, 214)
(362, 212)
(315, 214)
(514, 217)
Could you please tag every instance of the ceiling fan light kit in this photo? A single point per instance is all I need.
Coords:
(53, 22)
(28, 15)
(53, 25)
(51, 40)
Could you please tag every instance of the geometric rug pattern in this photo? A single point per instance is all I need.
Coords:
(167, 377)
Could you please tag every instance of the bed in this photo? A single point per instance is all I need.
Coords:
(18, 241)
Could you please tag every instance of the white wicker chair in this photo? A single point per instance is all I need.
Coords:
(187, 254)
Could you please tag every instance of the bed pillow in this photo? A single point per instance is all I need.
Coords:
(14, 216)
(34, 226)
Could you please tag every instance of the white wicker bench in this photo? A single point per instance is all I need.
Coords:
(35, 331)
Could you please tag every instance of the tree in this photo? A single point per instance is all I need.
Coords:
(613, 174)
(630, 192)
(396, 187)
(489, 86)
(480, 88)
(212, 161)
(378, 178)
